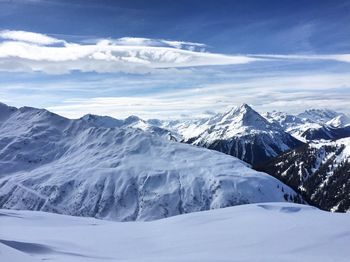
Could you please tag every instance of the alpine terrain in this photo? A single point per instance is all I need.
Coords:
(319, 171)
(77, 167)
(313, 124)
(244, 133)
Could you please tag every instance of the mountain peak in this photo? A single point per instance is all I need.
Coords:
(132, 119)
(240, 120)
(245, 107)
(246, 116)
(237, 111)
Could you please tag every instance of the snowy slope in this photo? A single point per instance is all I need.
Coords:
(54, 164)
(319, 171)
(243, 133)
(9, 254)
(271, 232)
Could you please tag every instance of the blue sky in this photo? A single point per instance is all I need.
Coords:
(173, 59)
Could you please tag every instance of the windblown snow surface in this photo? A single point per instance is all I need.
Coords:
(271, 232)
(73, 167)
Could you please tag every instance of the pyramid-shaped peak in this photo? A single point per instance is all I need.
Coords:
(245, 106)
(243, 109)
(243, 114)
(237, 110)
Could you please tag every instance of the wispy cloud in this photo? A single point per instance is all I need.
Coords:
(138, 41)
(27, 52)
(22, 51)
(330, 57)
(29, 37)
(290, 93)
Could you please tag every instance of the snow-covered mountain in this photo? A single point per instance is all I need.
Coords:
(184, 129)
(291, 124)
(319, 116)
(341, 120)
(286, 121)
(313, 124)
(318, 171)
(272, 232)
(131, 121)
(78, 167)
(243, 133)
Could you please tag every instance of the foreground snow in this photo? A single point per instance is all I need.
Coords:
(255, 232)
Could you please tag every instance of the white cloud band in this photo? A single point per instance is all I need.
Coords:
(30, 37)
(26, 51)
(22, 51)
(332, 57)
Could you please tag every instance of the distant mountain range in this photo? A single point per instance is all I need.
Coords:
(313, 124)
(284, 146)
(135, 169)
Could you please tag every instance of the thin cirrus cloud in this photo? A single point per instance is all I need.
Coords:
(290, 93)
(331, 57)
(30, 52)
